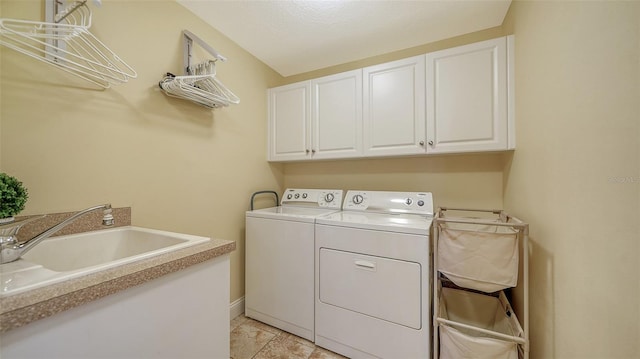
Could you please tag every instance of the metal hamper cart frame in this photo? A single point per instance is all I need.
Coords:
(520, 335)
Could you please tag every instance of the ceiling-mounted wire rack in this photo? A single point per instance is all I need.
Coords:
(199, 84)
(65, 42)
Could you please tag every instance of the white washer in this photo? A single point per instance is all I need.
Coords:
(373, 274)
(279, 287)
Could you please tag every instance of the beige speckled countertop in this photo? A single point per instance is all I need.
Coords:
(25, 307)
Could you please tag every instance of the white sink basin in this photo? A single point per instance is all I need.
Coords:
(65, 257)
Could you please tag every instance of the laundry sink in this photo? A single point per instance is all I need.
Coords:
(65, 257)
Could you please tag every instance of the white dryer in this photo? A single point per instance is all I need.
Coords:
(373, 274)
(279, 259)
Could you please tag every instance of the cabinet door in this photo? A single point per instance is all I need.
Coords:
(467, 98)
(394, 108)
(336, 115)
(289, 121)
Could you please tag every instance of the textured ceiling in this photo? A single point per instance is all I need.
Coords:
(293, 37)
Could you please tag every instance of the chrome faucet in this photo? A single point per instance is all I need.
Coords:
(10, 247)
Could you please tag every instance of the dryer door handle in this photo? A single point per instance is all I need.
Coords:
(365, 264)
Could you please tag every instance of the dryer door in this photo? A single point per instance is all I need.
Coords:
(383, 288)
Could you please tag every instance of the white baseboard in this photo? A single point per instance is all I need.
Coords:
(236, 308)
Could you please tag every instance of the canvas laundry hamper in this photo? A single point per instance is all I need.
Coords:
(480, 311)
(478, 256)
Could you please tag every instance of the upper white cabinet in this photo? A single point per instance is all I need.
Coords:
(394, 108)
(457, 100)
(316, 119)
(469, 96)
(336, 115)
(289, 121)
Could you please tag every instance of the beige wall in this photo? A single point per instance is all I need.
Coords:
(472, 181)
(179, 166)
(577, 96)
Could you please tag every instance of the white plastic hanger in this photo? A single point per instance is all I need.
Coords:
(199, 84)
(68, 45)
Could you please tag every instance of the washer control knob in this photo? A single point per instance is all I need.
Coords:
(289, 196)
(329, 197)
(420, 203)
(408, 201)
(304, 195)
(297, 195)
(358, 199)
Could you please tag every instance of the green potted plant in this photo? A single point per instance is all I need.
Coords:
(13, 196)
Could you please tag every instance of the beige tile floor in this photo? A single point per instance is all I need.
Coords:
(251, 339)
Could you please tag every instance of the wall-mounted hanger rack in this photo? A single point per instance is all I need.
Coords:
(188, 39)
(199, 84)
(65, 42)
(55, 11)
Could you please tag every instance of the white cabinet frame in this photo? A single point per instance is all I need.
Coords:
(458, 100)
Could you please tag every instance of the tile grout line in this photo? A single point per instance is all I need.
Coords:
(286, 337)
(265, 345)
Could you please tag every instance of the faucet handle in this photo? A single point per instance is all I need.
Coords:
(107, 217)
(11, 229)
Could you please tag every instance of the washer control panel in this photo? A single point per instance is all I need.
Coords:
(389, 202)
(324, 198)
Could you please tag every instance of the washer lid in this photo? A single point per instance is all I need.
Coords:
(401, 223)
(290, 213)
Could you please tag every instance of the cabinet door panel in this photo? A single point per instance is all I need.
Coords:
(337, 115)
(394, 108)
(289, 122)
(467, 98)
